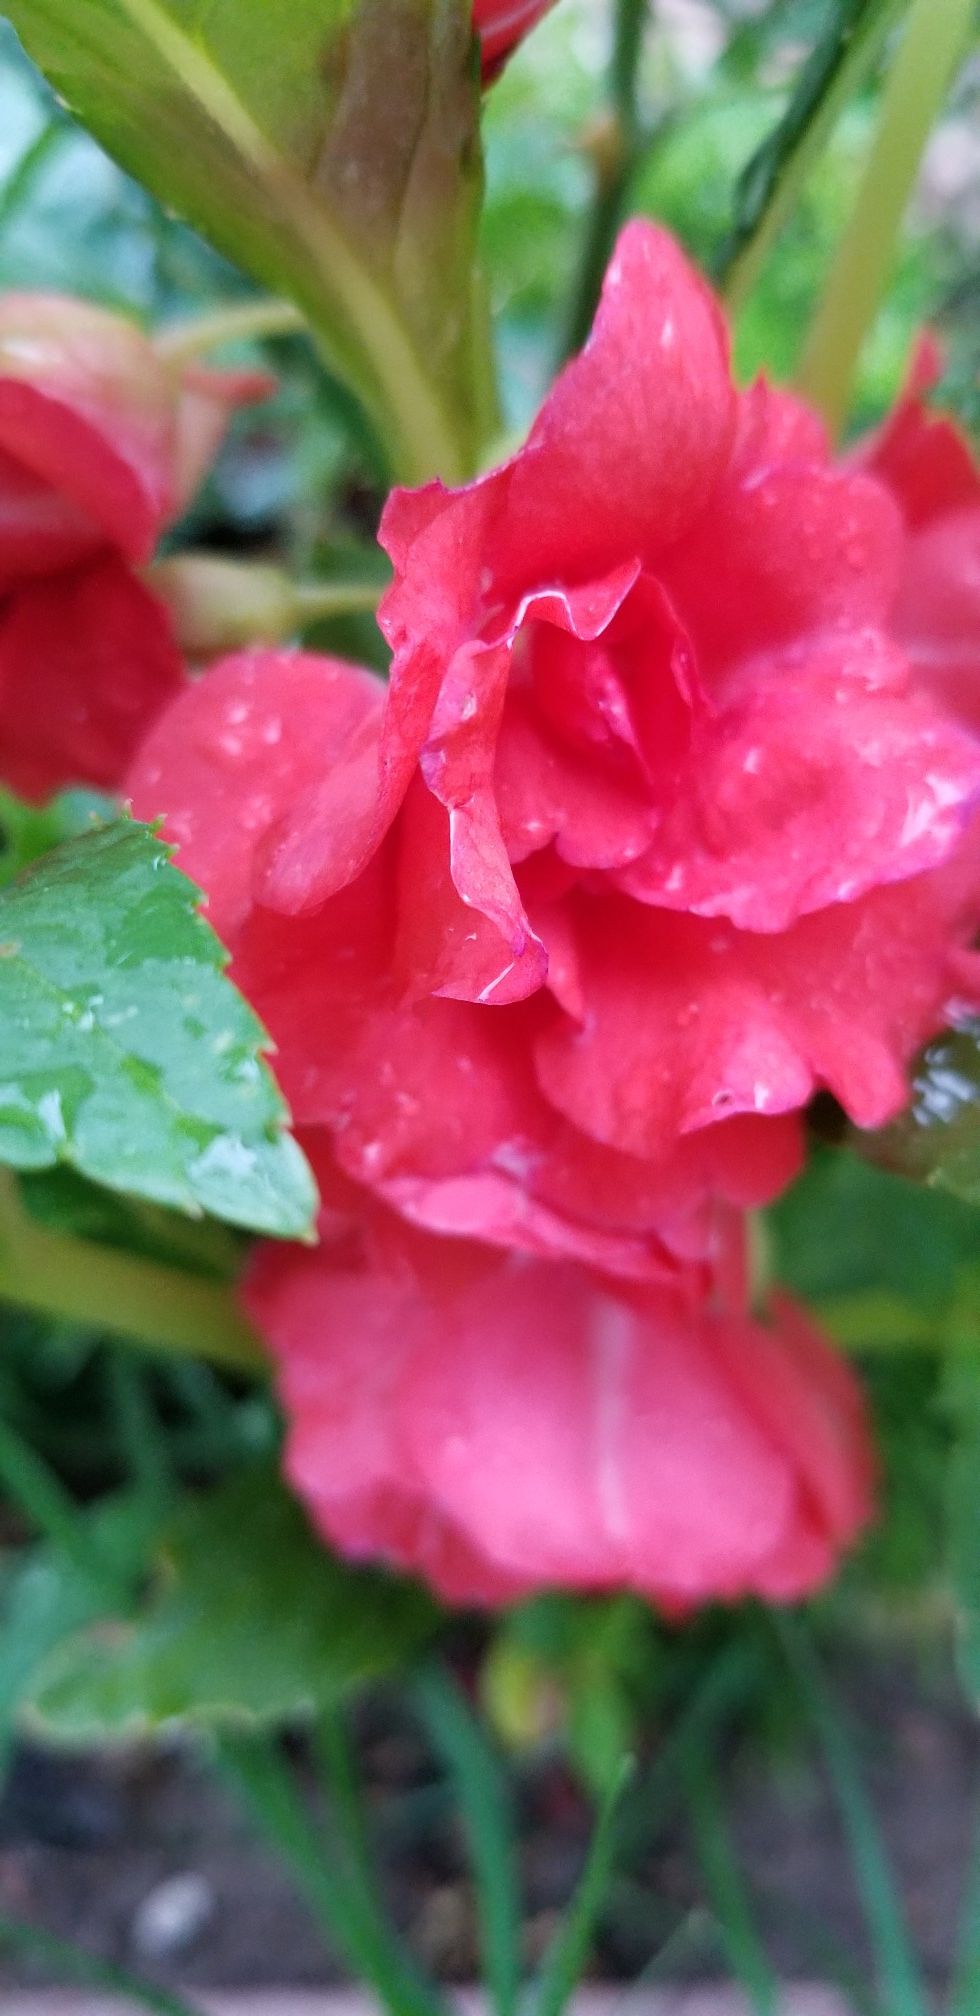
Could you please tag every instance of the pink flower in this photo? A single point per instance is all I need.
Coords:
(501, 24)
(102, 444)
(498, 1424)
(656, 832)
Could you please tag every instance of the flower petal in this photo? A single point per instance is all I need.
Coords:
(88, 661)
(816, 781)
(690, 1021)
(230, 758)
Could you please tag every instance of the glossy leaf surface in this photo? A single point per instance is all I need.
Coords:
(126, 1052)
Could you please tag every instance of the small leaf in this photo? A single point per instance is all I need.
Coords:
(250, 1619)
(126, 1052)
(937, 1141)
(329, 146)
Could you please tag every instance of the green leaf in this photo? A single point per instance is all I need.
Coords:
(126, 1052)
(330, 147)
(50, 1591)
(250, 1619)
(937, 1141)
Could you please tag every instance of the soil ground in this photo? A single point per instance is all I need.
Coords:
(145, 1858)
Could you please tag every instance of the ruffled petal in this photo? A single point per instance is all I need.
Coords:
(816, 781)
(690, 1021)
(788, 549)
(229, 759)
(633, 437)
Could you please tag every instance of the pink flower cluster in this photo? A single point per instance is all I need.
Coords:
(667, 819)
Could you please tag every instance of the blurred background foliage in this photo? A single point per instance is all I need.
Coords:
(98, 1445)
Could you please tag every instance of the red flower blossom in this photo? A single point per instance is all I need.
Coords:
(102, 444)
(501, 24)
(655, 833)
(498, 1425)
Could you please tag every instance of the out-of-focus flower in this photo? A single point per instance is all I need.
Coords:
(655, 833)
(102, 443)
(501, 24)
(498, 1424)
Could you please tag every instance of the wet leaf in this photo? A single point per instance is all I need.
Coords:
(249, 1618)
(126, 1052)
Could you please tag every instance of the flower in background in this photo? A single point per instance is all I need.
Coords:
(501, 24)
(656, 831)
(498, 1424)
(102, 444)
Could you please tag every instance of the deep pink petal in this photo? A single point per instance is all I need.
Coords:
(88, 661)
(344, 1342)
(230, 758)
(690, 1020)
(40, 531)
(500, 1426)
(86, 405)
(922, 457)
(816, 781)
(633, 437)
(788, 549)
(614, 1452)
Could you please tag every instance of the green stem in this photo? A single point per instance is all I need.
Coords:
(933, 43)
(770, 185)
(72, 1280)
(612, 173)
(196, 336)
(219, 605)
(316, 601)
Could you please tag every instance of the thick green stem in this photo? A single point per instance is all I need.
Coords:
(74, 1281)
(615, 161)
(933, 43)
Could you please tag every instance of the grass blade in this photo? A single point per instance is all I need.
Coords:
(964, 1995)
(564, 1964)
(902, 1988)
(771, 183)
(483, 1793)
(354, 1924)
(76, 1965)
(729, 1898)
